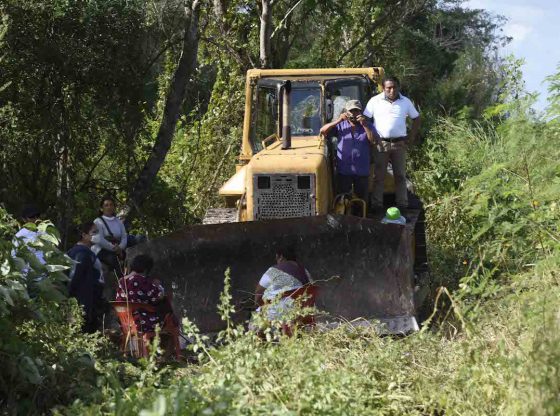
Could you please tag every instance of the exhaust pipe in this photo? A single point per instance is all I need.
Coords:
(286, 128)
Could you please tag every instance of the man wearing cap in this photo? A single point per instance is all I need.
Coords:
(389, 111)
(354, 134)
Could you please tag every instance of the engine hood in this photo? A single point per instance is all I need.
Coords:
(306, 155)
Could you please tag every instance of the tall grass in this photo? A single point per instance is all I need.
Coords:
(507, 365)
(492, 197)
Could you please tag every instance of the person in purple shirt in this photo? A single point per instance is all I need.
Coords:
(355, 135)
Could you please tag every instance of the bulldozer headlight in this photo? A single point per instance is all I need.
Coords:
(263, 182)
(304, 182)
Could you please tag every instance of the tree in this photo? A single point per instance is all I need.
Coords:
(553, 110)
(175, 97)
(71, 70)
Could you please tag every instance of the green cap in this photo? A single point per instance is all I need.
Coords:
(393, 213)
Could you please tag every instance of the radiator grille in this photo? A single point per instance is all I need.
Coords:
(284, 199)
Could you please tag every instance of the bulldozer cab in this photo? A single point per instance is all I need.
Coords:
(314, 101)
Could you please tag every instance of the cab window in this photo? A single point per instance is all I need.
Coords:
(264, 121)
(340, 91)
(305, 111)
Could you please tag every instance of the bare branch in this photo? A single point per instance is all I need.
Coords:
(216, 174)
(219, 11)
(221, 43)
(369, 32)
(408, 12)
(92, 169)
(172, 42)
(285, 18)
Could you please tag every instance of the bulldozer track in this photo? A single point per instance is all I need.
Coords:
(220, 215)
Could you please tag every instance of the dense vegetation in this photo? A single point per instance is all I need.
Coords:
(83, 89)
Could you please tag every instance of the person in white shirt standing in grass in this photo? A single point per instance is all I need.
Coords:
(389, 111)
(111, 243)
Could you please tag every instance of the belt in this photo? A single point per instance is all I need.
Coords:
(393, 139)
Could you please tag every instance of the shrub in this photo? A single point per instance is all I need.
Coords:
(45, 358)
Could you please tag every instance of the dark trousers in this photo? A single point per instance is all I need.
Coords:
(111, 260)
(360, 183)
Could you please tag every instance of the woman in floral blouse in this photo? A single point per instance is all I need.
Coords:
(139, 287)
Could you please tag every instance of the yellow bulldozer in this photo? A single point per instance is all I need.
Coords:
(283, 193)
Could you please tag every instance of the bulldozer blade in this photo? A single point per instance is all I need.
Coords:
(364, 268)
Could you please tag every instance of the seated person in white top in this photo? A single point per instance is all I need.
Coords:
(389, 111)
(112, 238)
(287, 274)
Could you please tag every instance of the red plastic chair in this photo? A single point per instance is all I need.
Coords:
(305, 298)
(133, 340)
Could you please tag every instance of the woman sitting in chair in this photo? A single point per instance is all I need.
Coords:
(287, 275)
(139, 287)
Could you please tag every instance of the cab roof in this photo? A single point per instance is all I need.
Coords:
(375, 73)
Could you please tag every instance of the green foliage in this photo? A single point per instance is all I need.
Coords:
(45, 358)
(78, 82)
(497, 188)
(554, 97)
(513, 100)
(203, 157)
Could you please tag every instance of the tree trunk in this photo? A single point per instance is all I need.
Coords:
(63, 193)
(219, 11)
(174, 100)
(280, 43)
(282, 37)
(265, 32)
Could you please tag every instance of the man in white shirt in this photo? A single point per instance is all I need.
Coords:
(389, 111)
